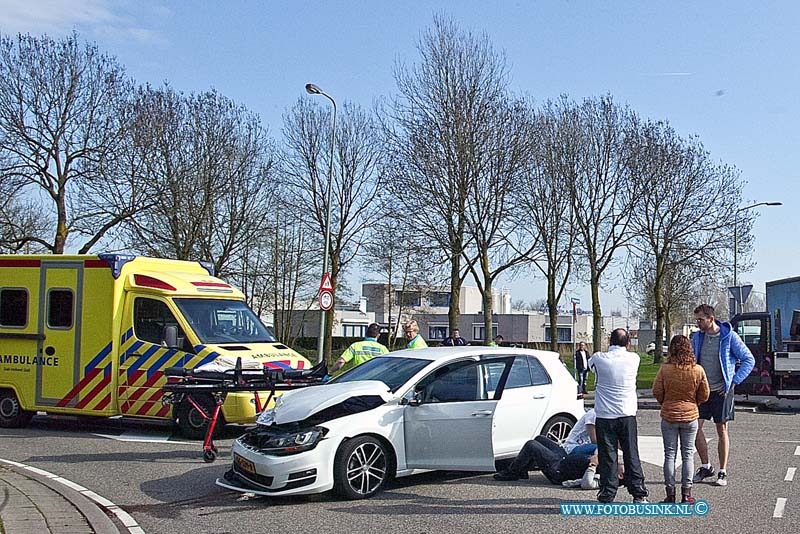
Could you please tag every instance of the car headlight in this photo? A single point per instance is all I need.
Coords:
(282, 444)
(267, 417)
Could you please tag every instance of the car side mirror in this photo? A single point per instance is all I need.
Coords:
(170, 336)
(416, 400)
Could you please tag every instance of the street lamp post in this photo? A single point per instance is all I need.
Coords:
(738, 301)
(314, 90)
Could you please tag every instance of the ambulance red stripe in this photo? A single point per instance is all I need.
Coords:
(79, 386)
(94, 392)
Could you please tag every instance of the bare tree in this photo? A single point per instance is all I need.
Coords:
(684, 211)
(356, 182)
(436, 130)
(602, 194)
(60, 124)
(211, 162)
(548, 214)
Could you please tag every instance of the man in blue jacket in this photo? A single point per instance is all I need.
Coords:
(718, 349)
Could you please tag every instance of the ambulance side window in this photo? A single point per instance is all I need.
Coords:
(60, 308)
(13, 307)
(150, 317)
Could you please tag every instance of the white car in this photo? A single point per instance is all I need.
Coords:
(453, 408)
(651, 349)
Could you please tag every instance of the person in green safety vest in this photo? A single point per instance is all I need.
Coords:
(498, 340)
(415, 341)
(360, 351)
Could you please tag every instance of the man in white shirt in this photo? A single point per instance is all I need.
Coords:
(615, 405)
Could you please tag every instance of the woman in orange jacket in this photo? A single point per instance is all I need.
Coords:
(679, 386)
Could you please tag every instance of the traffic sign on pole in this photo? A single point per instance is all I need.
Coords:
(325, 300)
(326, 284)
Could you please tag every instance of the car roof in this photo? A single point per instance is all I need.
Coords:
(454, 353)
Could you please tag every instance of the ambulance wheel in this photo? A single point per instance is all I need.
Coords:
(11, 413)
(191, 422)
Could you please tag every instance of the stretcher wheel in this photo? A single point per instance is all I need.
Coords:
(209, 456)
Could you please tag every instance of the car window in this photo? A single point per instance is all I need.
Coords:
(391, 370)
(520, 375)
(538, 374)
(459, 385)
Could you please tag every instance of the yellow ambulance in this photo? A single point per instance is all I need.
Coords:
(92, 335)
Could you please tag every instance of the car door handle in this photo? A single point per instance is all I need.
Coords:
(539, 396)
(482, 413)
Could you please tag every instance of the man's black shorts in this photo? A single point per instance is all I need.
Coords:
(718, 407)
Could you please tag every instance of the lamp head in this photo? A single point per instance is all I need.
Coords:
(313, 89)
(774, 203)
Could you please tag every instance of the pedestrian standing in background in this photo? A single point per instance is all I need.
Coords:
(615, 405)
(411, 330)
(360, 351)
(497, 341)
(718, 349)
(680, 385)
(455, 340)
(581, 367)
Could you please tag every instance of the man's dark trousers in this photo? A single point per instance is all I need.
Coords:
(610, 432)
(539, 453)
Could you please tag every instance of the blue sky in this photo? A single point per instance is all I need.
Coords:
(727, 71)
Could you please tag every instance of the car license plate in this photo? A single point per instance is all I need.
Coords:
(245, 464)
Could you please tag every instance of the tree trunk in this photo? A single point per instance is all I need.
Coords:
(657, 300)
(60, 241)
(331, 314)
(453, 312)
(487, 312)
(553, 313)
(597, 324)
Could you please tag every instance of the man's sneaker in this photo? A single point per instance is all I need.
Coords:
(703, 473)
(722, 479)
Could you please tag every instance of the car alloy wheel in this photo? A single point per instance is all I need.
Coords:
(558, 428)
(362, 467)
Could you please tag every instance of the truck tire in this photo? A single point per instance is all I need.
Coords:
(192, 424)
(11, 413)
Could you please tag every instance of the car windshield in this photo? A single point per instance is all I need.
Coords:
(394, 372)
(217, 321)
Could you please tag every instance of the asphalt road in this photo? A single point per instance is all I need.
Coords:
(166, 487)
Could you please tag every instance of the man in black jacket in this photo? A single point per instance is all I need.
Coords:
(581, 367)
(455, 340)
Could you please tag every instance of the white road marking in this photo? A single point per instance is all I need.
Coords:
(123, 516)
(797, 451)
(790, 474)
(789, 441)
(780, 504)
(144, 437)
(651, 451)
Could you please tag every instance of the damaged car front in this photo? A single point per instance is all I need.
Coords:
(295, 443)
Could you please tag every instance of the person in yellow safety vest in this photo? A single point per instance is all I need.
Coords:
(415, 341)
(360, 351)
(498, 340)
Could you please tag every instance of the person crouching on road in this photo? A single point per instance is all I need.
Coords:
(576, 459)
(411, 330)
(679, 387)
(616, 403)
(360, 351)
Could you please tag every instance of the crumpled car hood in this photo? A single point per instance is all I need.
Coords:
(299, 404)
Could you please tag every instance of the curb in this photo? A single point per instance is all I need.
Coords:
(96, 509)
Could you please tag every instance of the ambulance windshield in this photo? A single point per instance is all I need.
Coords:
(217, 321)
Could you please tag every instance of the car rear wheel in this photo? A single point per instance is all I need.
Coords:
(361, 468)
(11, 413)
(192, 424)
(558, 428)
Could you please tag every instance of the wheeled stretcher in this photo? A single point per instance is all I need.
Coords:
(188, 384)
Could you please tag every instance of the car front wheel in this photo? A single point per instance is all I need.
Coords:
(558, 428)
(361, 468)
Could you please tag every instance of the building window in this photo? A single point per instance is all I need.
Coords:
(479, 330)
(13, 307)
(437, 332)
(564, 334)
(439, 299)
(354, 330)
(60, 308)
(407, 298)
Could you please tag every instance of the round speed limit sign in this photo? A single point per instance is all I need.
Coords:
(325, 300)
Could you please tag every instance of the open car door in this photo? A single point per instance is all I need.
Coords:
(448, 424)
